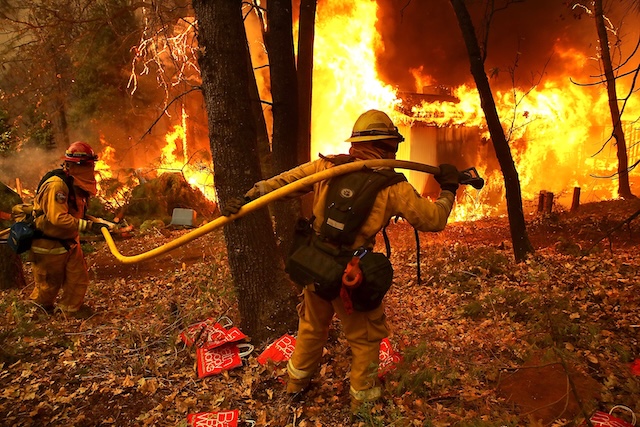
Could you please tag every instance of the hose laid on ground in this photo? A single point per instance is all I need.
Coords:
(264, 201)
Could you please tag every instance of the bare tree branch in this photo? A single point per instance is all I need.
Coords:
(164, 111)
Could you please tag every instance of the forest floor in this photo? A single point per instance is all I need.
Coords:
(484, 341)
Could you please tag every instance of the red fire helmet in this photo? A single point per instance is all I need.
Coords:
(80, 152)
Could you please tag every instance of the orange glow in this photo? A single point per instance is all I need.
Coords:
(555, 129)
(345, 83)
(119, 195)
(177, 157)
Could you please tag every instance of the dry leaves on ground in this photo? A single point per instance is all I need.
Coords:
(478, 335)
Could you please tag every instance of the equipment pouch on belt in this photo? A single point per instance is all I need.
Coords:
(301, 234)
(377, 273)
(313, 262)
(310, 264)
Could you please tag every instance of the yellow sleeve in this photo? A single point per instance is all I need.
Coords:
(261, 188)
(420, 212)
(53, 201)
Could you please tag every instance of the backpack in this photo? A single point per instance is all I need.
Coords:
(322, 260)
(350, 198)
(23, 231)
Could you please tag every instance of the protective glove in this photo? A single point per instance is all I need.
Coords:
(448, 178)
(233, 205)
(96, 227)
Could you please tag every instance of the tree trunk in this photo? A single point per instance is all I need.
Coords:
(264, 145)
(265, 299)
(521, 244)
(624, 190)
(11, 272)
(306, 34)
(284, 91)
(61, 126)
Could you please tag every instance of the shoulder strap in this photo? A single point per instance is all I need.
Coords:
(349, 201)
(55, 172)
(68, 180)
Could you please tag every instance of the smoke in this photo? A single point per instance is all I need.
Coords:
(28, 167)
(529, 36)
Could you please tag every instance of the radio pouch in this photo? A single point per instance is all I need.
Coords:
(377, 273)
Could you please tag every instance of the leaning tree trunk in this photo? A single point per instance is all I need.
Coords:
(265, 299)
(624, 190)
(521, 244)
(262, 135)
(284, 92)
(11, 272)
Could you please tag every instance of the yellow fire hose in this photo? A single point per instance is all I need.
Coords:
(466, 178)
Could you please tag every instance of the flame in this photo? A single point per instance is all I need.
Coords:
(344, 77)
(176, 156)
(556, 129)
(102, 168)
(111, 191)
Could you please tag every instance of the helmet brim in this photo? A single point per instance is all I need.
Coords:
(366, 138)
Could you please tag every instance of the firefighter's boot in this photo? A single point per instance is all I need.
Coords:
(298, 381)
(295, 386)
(360, 398)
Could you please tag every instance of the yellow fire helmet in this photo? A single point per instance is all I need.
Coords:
(374, 125)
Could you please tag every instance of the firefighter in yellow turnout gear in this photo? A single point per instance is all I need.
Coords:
(374, 137)
(60, 207)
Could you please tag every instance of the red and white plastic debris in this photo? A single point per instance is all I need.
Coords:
(211, 333)
(389, 358)
(602, 419)
(212, 361)
(214, 419)
(278, 351)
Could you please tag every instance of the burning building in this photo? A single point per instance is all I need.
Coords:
(542, 63)
(410, 61)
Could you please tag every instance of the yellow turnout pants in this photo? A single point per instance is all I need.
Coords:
(66, 272)
(363, 330)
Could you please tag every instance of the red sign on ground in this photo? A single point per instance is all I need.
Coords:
(389, 358)
(602, 419)
(214, 419)
(279, 350)
(212, 361)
